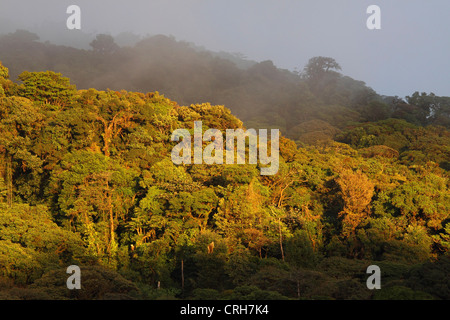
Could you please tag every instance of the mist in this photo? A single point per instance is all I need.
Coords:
(409, 53)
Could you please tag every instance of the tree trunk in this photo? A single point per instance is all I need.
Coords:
(182, 275)
(9, 180)
(111, 219)
(281, 239)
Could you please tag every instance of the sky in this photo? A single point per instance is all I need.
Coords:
(411, 51)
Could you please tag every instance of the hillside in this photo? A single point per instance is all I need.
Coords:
(86, 179)
(312, 105)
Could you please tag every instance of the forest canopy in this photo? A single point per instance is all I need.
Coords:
(86, 178)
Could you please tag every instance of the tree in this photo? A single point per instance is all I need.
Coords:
(434, 109)
(244, 219)
(115, 115)
(104, 44)
(4, 72)
(321, 74)
(21, 35)
(48, 87)
(31, 242)
(357, 191)
(95, 195)
(20, 123)
(300, 252)
(7, 87)
(97, 283)
(4, 75)
(317, 67)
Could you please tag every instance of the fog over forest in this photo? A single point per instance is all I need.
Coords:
(409, 53)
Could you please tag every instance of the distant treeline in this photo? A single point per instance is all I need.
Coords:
(86, 178)
(314, 104)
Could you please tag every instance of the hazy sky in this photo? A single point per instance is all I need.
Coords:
(410, 53)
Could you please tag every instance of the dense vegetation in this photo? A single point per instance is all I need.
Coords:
(86, 178)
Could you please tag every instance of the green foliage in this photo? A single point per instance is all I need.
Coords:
(255, 293)
(414, 144)
(96, 194)
(300, 252)
(401, 293)
(104, 43)
(432, 278)
(4, 72)
(98, 283)
(33, 243)
(48, 87)
(86, 178)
